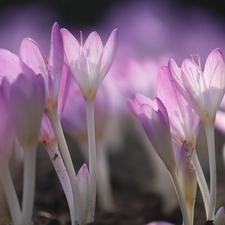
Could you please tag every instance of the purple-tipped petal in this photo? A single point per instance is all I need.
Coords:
(56, 60)
(184, 121)
(157, 129)
(137, 101)
(108, 55)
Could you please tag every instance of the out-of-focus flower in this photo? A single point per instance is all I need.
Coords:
(220, 217)
(83, 184)
(27, 106)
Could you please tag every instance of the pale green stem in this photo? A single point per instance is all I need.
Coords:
(55, 156)
(28, 184)
(209, 129)
(180, 198)
(10, 193)
(92, 159)
(56, 126)
(201, 181)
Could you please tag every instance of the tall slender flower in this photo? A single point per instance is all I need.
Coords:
(184, 123)
(204, 92)
(27, 105)
(89, 64)
(155, 121)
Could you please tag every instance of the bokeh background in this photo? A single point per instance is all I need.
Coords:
(158, 26)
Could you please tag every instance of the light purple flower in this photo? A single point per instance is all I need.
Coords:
(155, 121)
(90, 62)
(27, 105)
(51, 69)
(202, 90)
(184, 122)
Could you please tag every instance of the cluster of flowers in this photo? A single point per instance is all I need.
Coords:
(33, 90)
(37, 92)
(186, 97)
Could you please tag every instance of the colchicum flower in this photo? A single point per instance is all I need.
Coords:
(90, 62)
(202, 90)
(155, 121)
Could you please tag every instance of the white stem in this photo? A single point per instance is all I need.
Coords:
(209, 129)
(201, 181)
(180, 198)
(55, 156)
(28, 184)
(10, 193)
(92, 159)
(103, 178)
(56, 126)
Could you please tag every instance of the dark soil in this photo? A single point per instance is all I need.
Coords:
(131, 174)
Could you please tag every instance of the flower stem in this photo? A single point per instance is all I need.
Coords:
(56, 126)
(209, 129)
(92, 158)
(55, 156)
(180, 198)
(201, 181)
(10, 193)
(103, 179)
(28, 184)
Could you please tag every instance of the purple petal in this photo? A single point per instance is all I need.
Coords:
(214, 75)
(11, 66)
(71, 48)
(107, 56)
(138, 100)
(56, 60)
(93, 48)
(183, 120)
(27, 106)
(33, 57)
(64, 88)
(158, 132)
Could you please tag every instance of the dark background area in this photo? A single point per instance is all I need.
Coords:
(89, 12)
